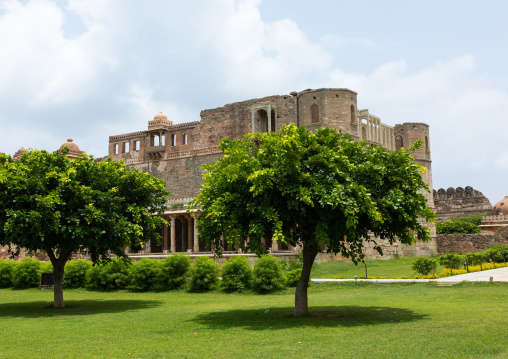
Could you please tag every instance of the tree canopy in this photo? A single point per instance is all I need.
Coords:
(51, 203)
(311, 190)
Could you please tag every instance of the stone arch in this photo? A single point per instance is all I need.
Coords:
(272, 120)
(261, 117)
(353, 115)
(399, 142)
(314, 113)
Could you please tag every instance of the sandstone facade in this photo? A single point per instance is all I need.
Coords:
(176, 152)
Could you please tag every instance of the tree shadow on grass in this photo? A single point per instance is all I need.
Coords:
(38, 309)
(283, 318)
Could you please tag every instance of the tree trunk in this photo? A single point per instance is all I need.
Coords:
(58, 272)
(310, 250)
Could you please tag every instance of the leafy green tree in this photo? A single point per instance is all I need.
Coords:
(51, 203)
(311, 189)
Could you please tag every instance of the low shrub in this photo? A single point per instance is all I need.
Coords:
(293, 277)
(450, 260)
(75, 273)
(204, 275)
(423, 265)
(143, 275)
(27, 274)
(174, 271)
(446, 272)
(6, 268)
(236, 274)
(498, 253)
(109, 275)
(296, 262)
(456, 227)
(370, 277)
(267, 275)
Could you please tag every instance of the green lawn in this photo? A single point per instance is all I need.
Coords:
(347, 321)
(391, 268)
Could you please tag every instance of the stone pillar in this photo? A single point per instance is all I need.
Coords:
(269, 118)
(253, 125)
(189, 233)
(275, 246)
(165, 237)
(183, 233)
(173, 234)
(196, 238)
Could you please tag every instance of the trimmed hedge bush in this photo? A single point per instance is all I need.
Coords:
(174, 271)
(293, 277)
(110, 275)
(27, 274)
(6, 268)
(456, 227)
(204, 275)
(472, 218)
(143, 275)
(236, 274)
(267, 275)
(75, 273)
(424, 266)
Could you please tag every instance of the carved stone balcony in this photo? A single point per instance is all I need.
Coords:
(154, 149)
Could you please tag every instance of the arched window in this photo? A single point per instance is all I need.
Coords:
(314, 113)
(353, 115)
(261, 118)
(399, 142)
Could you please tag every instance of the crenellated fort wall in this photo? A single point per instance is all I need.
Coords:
(455, 202)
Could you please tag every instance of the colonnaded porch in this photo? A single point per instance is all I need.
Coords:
(182, 236)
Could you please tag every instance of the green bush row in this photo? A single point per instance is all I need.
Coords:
(453, 261)
(456, 227)
(472, 218)
(146, 274)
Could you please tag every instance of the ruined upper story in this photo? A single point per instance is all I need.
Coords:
(328, 107)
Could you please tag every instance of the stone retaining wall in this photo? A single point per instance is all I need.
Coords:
(463, 243)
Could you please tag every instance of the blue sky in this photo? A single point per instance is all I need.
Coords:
(94, 68)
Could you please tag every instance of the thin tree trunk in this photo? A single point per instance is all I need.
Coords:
(58, 273)
(310, 250)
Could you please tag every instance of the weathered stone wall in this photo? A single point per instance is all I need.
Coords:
(462, 243)
(459, 202)
(334, 108)
(178, 161)
(182, 175)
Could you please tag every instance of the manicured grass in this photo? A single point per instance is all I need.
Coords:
(347, 321)
(391, 268)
